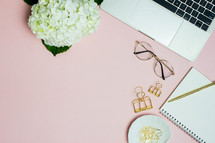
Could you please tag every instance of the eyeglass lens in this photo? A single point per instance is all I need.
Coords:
(167, 68)
(140, 51)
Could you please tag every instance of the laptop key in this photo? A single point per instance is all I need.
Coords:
(209, 6)
(189, 10)
(198, 23)
(201, 9)
(183, 6)
(166, 5)
(205, 27)
(204, 19)
(197, 1)
(213, 9)
(193, 20)
(194, 13)
(195, 6)
(189, 2)
(177, 3)
(209, 14)
(187, 16)
(203, 2)
(171, 1)
(180, 13)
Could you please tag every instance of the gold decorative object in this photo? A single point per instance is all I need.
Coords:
(142, 102)
(156, 90)
(150, 135)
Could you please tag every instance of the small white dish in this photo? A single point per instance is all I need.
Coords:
(148, 121)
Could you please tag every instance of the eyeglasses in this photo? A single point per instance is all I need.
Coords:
(162, 68)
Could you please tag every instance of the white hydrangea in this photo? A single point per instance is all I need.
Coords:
(63, 22)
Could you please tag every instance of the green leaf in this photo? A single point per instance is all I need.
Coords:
(31, 2)
(56, 50)
(98, 1)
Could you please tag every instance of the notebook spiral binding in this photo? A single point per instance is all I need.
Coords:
(182, 126)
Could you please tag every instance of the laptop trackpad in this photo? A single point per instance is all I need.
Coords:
(154, 21)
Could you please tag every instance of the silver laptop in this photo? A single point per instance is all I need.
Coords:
(183, 26)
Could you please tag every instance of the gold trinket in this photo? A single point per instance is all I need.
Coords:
(156, 90)
(150, 135)
(142, 102)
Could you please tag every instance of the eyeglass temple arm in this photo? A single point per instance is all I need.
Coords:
(162, 70)
(136, 53)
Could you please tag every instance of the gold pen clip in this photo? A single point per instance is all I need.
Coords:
(142, 102)
(156, 90)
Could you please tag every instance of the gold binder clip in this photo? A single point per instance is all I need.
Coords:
(143, 102)
(156, 90)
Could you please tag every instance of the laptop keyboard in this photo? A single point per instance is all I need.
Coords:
(198, 12)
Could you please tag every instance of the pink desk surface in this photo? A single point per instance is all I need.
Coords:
(85, 94)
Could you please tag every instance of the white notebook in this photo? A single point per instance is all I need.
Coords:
(195, 114)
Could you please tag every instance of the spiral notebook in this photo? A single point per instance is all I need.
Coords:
(195, 114)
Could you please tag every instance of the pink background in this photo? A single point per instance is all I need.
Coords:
(85, 94)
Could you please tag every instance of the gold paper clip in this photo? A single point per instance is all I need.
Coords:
(143, 102)
(156, 90)
(150, 135)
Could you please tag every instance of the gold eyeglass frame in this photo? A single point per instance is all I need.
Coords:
(171, 69)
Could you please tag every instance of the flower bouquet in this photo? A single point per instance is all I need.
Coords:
(62, 23)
